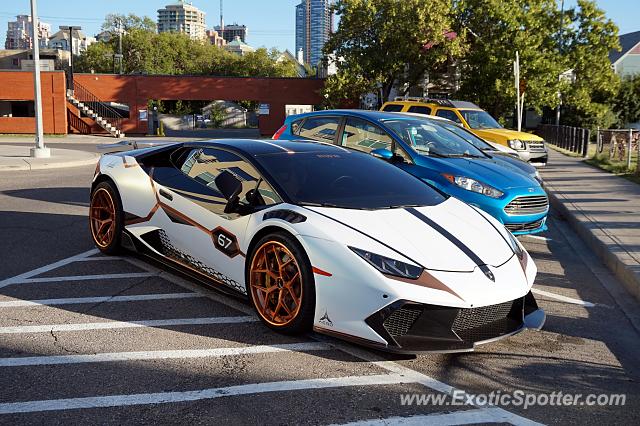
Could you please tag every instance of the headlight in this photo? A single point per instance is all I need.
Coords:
(515, 245)
(473, 185)
(517, 145)
(389, 266)
(537, 176)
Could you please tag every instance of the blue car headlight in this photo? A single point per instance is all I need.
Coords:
(474, 185)
(389, 266)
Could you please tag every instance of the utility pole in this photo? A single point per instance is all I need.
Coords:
(560, 31)
(40, 151)
(221, 22)
(120, 43)
(71, 29)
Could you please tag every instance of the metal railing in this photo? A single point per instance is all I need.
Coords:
(109, 114)
(574, 139)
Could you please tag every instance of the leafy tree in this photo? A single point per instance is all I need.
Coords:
(381, 43)
(97, 58)
(129, 22)
(627, 102)
(590, 37)
(495, 30)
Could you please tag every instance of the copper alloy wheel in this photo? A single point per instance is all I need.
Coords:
(276, 283)
(102, 217)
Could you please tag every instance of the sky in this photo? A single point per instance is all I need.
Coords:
(271, 22)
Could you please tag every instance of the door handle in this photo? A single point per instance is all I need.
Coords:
(166, 195)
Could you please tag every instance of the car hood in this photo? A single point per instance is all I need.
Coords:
(514, 163)
(443, 242)
(506, 133)
(495, 172)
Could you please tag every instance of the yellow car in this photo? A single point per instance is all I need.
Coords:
(469, 115)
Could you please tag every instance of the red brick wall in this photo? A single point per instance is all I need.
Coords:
(136, 91)
(18, 86)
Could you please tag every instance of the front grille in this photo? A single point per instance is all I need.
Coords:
(519, 227)
(400, 321)
(536, 146)
(529, 204)
(487, 322)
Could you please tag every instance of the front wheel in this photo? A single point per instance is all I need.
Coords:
(280, 283)
(105, 218)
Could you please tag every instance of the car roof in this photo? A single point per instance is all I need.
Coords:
(443, 103)
(361, 113)
(256, 147)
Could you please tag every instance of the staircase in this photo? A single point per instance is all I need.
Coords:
(105, 116)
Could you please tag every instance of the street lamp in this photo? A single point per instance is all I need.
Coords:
(71, 29)
(40, 151)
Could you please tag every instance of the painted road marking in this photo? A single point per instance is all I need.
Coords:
(98, 258)
(463, 417)
(47, 268)
(536, 237)
(197, 395)
(83, 278)
(563, 298)
(102, 299)
(171, 354)
(123, 324)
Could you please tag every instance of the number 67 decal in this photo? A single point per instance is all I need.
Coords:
(225, 241)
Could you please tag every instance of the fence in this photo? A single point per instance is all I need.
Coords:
(619, 147)
(574, 139)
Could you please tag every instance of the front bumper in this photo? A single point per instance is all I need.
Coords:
(413, 328)
(534, 157)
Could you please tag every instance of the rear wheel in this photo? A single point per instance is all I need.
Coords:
(280, 284)
(105, 218)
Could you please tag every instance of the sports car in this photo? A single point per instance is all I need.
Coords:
(320, 237)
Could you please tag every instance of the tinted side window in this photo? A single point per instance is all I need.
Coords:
(320, 129)
(364, 136)
(420, 109)
(295, 127)
(449, 115)
(392, 108)
(204, 165)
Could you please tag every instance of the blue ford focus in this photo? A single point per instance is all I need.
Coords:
(428, 150)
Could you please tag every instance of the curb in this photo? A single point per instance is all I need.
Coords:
(23, 164)
(600, 244)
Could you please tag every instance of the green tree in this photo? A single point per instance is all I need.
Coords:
(626, 104)
(589, 38)
(496, 30)
(129, 22)
(381, 43)
(97, 58)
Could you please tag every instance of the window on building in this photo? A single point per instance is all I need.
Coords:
(17, 109)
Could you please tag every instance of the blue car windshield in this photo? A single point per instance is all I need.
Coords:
(428, 138)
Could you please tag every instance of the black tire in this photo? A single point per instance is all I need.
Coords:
(112, 245)
(302, 322)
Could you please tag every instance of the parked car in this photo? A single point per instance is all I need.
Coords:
(426, 149)
(320, 237)
(529, 147)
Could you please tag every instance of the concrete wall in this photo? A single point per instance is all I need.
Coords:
(18, 86)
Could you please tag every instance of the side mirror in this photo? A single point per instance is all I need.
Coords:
(230, 187)
(383, 154)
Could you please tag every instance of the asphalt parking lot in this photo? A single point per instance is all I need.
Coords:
(91, 339)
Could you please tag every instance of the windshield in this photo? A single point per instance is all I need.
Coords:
(428, 138)
(467, 136)
(346, 179)
(478, 119)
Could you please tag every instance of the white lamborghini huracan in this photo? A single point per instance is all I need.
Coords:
(320, 237)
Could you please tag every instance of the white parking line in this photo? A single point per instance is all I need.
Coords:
(463, 417)
(537, 237)
(122, 324)
(83, 278)
(196, 395)
(101, 299)
(563, 298)
(47, 268)
(175, 354)
(98, 258)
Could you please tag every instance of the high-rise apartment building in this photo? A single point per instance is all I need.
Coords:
(182, 17)
(230, 32)
(19, 33)
(314, 24)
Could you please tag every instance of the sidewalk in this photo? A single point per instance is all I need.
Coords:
(17, 158)
(603, 209)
